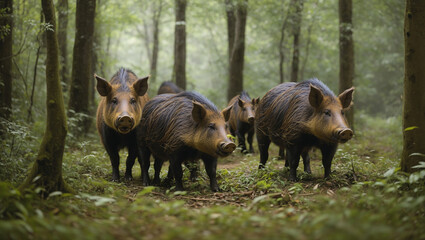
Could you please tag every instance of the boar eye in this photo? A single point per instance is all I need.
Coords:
(327, 112)
(211, 126)
(114, 101)
(342, 113)
(133, 101)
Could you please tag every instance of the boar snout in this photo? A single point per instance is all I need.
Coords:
(251, 120)
(226, 148)
(124, 123)
(344, 134)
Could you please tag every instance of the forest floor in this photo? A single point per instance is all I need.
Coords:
(367, 197)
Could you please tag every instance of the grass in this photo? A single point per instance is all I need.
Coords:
(366, 198)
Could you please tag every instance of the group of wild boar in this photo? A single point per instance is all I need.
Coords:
(183, 127)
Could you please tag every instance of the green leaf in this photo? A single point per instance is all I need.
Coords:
(410, 128)
(56, 193)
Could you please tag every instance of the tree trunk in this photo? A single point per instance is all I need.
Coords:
(282, 49)
(414, 85)
(297, 17)
(179, 73)
(346, 52)
(238, 52)
(63, 40)
(155, 48)
(82, 63)
(47, 169)
(6, 62)
(231, 22)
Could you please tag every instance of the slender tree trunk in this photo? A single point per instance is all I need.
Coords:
(82, 63)
(414, 85)
(63, 40)
(307, 51)
(6, 43)
(179, 73)
(47, 169)
(231, 23)
(155, 48)
(282, 47)
(297, 17)
(346, 52)
(238, 52)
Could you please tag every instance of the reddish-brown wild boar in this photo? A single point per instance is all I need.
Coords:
(181, 127)
(168, 87)
(118, 114)
(241, 110)
(299, 116)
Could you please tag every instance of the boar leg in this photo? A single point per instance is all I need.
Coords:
(250, 136)
(131, 158)
(263, 146)
(144, 161)
(211, 169)
(177, 172)
(157, 165)
(193, 167)
(328, 153)
(293, 156)
(241, 140)
(115, 162)
(306, 161)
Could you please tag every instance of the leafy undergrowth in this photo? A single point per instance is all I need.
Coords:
(367, 197)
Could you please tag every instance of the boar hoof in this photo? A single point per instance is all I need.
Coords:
(156, 181)
(128, 178)
(293, 178)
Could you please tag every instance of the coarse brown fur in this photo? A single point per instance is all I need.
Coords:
(298, 116)
(123, 97)
(184, 126)
(241, 110)
(168, 87)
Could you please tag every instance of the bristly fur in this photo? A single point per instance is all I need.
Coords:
(168, 117)
(122, 78)
(285, 108)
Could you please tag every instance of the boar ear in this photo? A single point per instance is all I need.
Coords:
(346, 97)
(315, 97)
(226, 113)
(255, 101)
(141, 86)
(240, 102)
(198, 112)
(102, 86)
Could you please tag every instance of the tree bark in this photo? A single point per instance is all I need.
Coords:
(47, 169)
(6, 43)
(346, 52)
(414, 85)
(155, 48)
(63, 40)
(231, 22)
(297, 17)
(82, 71)
(282, 48)
(238, 53)
(179, 73)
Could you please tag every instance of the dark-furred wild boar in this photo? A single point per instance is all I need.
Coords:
(168, 87)
(181, 127)
(118, 115)
(299, 116)
(241, 110)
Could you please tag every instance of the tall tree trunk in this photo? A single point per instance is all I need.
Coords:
(307, 51)
(63, 40)
(297, 17)
(47, 169)
(414, 85)
(155, 48)
(346, 52)
(82, 63)
(238, 52)
(179, 73)
(6, 62)
(231, 23)
(282, 47)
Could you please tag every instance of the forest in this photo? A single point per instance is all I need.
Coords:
(249, 119)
